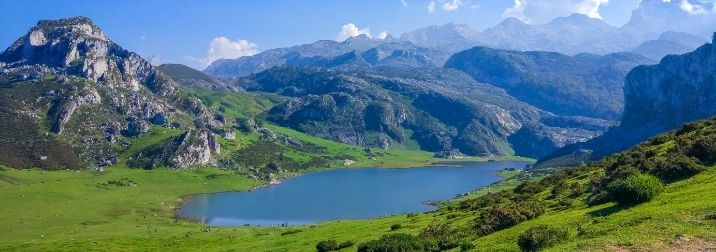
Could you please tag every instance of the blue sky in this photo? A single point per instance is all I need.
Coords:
(181, 31)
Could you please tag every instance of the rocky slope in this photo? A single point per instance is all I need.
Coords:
(584, 85)
(442, 110)
(659, 98)
(75, 90)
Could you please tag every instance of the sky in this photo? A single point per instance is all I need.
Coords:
(195, 33)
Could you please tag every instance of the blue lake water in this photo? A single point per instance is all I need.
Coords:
(355, 193)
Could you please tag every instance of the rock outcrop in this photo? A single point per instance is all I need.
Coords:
(77, 46)
(67, 107)
(195, 148)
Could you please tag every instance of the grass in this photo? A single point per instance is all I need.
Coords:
(156, 135)
(681, 210)
(236, 105)
(67, 210)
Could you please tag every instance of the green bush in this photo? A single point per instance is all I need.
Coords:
(395, 227)
(327, 245)
(505, 216)
(529, 187)
(393, 242)
(345, 244)
(704, 148)
(541, 237)
(292, 231)
(634, 189)
(443, 237)
(677, 168)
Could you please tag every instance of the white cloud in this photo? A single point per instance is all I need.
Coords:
(431, 7)
(404, 3)
(517, 11)
(224, 48)
(694, 9)
(452, 5)
(542, 11)
(475, 6)
(383, 35)
(350, 30)
(156, 60)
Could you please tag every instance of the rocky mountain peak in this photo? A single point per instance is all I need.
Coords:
(579, 20)
(511, 22)
(76, 46)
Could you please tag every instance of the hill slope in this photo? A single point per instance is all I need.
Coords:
(656, 196)
(585, 85)
(187, 76)
(659, 98)
(443, 110)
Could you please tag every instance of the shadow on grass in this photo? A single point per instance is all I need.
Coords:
(608, 210)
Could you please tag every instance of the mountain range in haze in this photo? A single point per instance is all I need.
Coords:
(656, 28)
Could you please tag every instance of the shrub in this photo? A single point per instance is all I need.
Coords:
(327, 245)
(345, 244)
(393, 242)
(395, 227)
(677, 168)
(504, 216)
(442, 237)
(529, 187)
(634, 189)
(704, 148)
(292, 231)
(541, 237)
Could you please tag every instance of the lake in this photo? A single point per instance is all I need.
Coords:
(351, 193)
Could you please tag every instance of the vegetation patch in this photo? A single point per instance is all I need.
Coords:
(123, 182)
(635, 189)
(540, 237)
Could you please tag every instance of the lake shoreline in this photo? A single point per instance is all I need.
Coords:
(436, 203)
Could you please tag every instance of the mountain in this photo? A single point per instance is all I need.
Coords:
(579, 33)
(328, 53)
(449, 37)
(584, 85)
(439, 110)
(658, 98)
(571, 35)
(72, 98)
(669, 43)
(191, 77)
